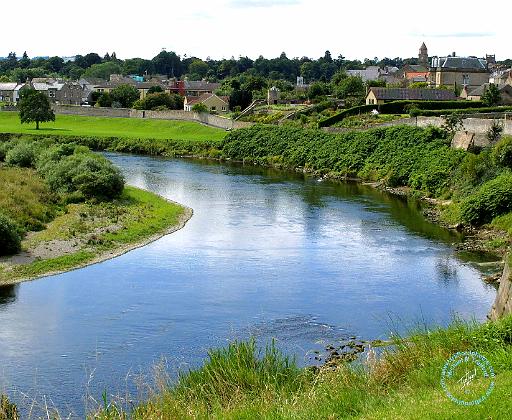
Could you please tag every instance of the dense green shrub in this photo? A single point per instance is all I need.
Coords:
(90, 175)
(481, 110)
(23, 154)
(10, 239)
(402, 156)
(492, 199)
(502, 152)
(4, 148)
(357, 110)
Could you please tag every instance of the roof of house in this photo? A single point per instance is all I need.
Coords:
(480, 90)
(48, 86)
(415, 68)
(462, 63)
(8, 86)
(413, 94)
(370, 73)
(192, 100)
(201, 85)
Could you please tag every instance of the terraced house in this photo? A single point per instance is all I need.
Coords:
(461, 71)
(59, 92)
(10, 92)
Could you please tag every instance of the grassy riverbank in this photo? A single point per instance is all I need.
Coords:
(61, 229)
(237, 383)
(78, 126)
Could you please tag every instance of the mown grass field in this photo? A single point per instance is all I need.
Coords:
(70, 125)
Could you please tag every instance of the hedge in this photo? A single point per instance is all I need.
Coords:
(438, 113)
(401, 107)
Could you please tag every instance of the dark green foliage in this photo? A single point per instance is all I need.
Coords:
(452, 123)
(502, 152)
(105, 100)
(90, 175)
(495, 131)
(67, 168)
(241, 98)
(480, 110)
(10, 239)
(404, 107)
(492, 199)
(124, 95)
(357, 110)
(200, 107)
(403, 156)
(155, 89)
(491, 96)
(35, 107)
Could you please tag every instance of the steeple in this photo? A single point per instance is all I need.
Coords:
(423, 55)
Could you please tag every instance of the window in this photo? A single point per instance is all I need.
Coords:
(223, 108)
(213, 108)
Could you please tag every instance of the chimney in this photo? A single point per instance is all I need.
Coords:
(454, 55)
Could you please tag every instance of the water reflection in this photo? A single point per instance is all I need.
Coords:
(8, 294)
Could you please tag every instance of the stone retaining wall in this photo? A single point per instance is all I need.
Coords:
(178, 115)
(503, 303)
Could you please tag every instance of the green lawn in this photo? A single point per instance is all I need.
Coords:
(113, 127)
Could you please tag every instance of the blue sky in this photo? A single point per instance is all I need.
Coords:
(225, 28)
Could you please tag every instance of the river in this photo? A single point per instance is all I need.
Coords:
(267, 254)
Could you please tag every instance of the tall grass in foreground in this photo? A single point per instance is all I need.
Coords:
(239, 382)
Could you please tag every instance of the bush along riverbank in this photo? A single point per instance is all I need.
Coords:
(62, 207)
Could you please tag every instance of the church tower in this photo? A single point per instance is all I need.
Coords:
(423, 55)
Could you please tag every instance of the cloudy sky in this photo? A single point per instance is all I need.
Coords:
(225, 28)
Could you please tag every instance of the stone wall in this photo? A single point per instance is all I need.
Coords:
(203, 118)
(503, 303)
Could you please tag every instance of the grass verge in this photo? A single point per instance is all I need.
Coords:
(404, 382)
(90, 232)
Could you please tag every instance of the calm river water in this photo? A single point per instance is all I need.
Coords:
(267, 254)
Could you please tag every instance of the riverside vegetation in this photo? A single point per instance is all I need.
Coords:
(404, 382)
(64, 206)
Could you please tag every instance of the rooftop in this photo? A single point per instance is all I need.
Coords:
(397, 94)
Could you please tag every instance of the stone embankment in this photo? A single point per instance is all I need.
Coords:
(503, 304)
(178, 115)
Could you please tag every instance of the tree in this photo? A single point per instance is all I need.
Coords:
(104, 100)
(125, 95)
(452, 123)
(241, 98)
(198, 69)
(103, 70)
(491, 96)
(199, 107)
(35, 107)
(494, 132)
(155, 89)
